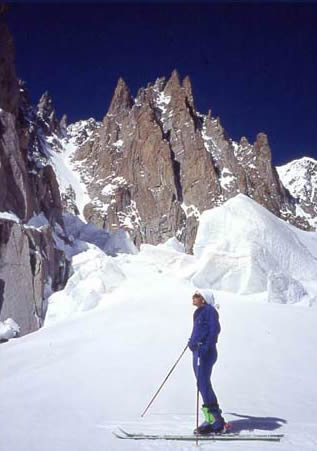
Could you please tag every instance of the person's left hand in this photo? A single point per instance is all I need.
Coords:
(192, 346)
(203, 349)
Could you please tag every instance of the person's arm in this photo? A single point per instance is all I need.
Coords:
(200, 331)
(213, 327)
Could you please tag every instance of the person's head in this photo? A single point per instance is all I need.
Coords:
(198, 300)
(203, 296)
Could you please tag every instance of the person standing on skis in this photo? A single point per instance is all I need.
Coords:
(202, 343)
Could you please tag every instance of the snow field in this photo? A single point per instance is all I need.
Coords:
(112, 335)
(68, 386)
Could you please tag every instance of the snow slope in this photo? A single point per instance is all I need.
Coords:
(69, 385)
(114, 332)
(249, 253)
(71, 175)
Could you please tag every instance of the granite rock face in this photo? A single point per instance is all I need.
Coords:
(31, 265)
(9, 90)
(31, 268)
(156, 163)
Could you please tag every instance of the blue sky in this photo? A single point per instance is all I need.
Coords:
(252, 64)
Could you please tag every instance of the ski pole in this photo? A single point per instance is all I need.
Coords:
(170, 372)
(197, 397)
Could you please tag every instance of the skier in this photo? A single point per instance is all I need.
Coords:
(202, 343)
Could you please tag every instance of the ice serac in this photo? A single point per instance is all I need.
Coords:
(30, 260)
(156, 164)
(244, 248)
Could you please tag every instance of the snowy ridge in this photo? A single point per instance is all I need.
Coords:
(300, 178)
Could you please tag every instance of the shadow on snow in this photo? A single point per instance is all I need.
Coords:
(250, 423)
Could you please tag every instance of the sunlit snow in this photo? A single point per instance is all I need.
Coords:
(114, 332)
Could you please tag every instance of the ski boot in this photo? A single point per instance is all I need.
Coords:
(213, 424)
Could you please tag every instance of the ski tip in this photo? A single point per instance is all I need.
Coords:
(117, 435)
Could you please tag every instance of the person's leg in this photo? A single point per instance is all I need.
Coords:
(214, 420)
(195, 363)
(204, 384)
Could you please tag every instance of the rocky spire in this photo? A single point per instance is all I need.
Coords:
(187, 85)
(159, 155)
(47, 115)
(122, 99)
(45, 106)
(173, 83)
(63, 125)
(9, 90)
(262, 148)
(244, 141)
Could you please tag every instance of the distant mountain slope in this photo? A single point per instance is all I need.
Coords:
(300, 178)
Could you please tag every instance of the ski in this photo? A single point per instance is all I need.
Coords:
(192, 437)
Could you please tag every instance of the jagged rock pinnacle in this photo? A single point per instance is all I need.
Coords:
(262, 139)
(244, 141)
(187, 85)
(121, 99)
(173, 82)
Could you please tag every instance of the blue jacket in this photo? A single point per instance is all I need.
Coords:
(206, 328)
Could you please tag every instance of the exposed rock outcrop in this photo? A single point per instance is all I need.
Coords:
(30, 261)
(31, 268)
(9, 90)
(156, 163)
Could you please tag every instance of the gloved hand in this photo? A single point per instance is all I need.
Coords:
(192, 346)
(203, 350)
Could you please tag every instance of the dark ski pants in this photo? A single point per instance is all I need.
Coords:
(203, 374)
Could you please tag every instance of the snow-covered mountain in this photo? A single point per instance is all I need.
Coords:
(151, 169)
(300, 178)
(116, 316)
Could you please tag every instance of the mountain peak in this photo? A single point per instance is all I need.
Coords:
(45, 104)
(173, 82)
(121, 99)
(262, 139)
(244, 142)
